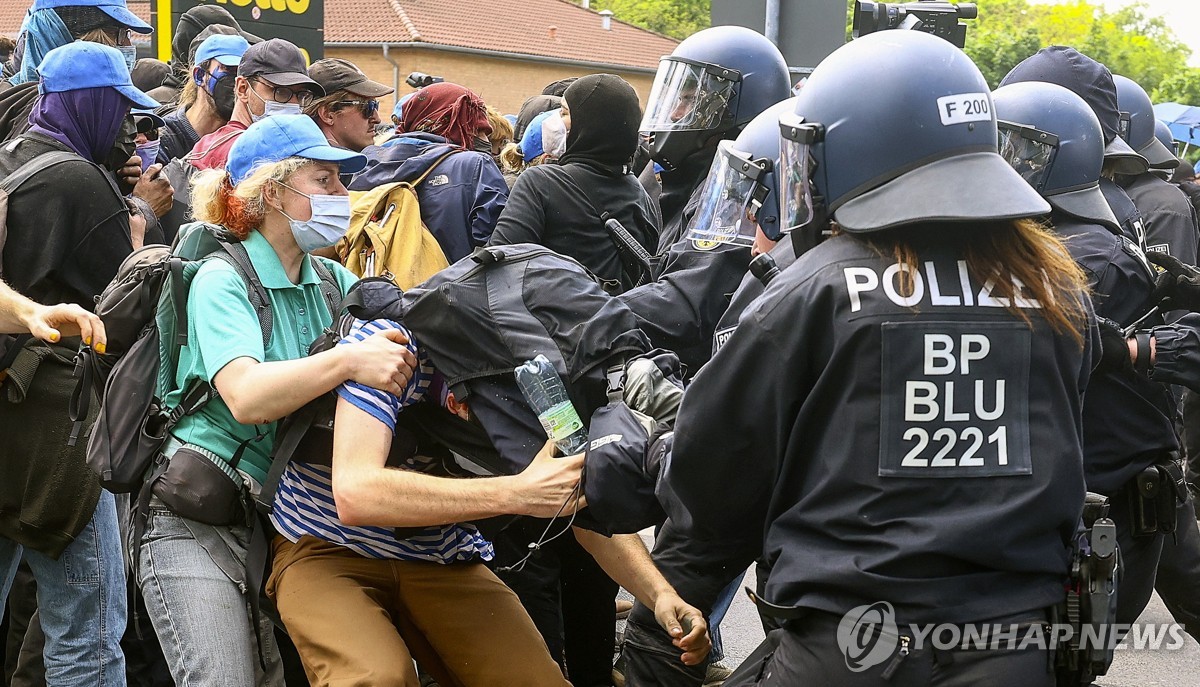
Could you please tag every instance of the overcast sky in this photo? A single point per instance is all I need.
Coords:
(1182, 15)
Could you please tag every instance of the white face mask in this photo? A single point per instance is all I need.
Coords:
(329, 222)
(272, 108)
(554, 135)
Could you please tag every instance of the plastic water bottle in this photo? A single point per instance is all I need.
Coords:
(546, 395)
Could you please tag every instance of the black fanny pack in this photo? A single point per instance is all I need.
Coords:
(195, 487)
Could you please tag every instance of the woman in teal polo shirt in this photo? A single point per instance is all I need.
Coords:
(281, 195)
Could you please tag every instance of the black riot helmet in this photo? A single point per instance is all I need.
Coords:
(892, 129)
(1137, 124)
(713, 84)
(1055, 142)
(740, 192)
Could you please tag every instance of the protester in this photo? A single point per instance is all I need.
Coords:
(50, 323)
(502, 133)
(546, 129)
(191, 24)
(532, 107)
(462, 192)
(280, 196)
(272, 79)
(564, 206)
(349, 111)
(68, 229)
(207, 100)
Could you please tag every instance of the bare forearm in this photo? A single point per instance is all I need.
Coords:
(385, 497)
(258, 393)
(625, 558)
(15, 311)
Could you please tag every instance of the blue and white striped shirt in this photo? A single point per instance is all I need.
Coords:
(304, 503)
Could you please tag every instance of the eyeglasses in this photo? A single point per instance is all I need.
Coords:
(283, 94)
(368, 107)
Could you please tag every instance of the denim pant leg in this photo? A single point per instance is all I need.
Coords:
(10, 558)
(720, 608)
(82, 604)
(201, 617)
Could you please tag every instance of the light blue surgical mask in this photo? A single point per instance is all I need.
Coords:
(272, 108)
(129, 52)
(147, 152)
(329, 222)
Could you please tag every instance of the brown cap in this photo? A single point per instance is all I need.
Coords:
(335, 74)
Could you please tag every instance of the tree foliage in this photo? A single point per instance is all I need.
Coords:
(675, 18)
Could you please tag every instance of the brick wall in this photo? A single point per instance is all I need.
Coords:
(504, 84)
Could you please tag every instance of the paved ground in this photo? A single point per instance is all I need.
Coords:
(741, 633)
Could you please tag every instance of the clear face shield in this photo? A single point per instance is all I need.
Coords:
(796, 167)
(689, 95)
(733, 193)
(1030, 151)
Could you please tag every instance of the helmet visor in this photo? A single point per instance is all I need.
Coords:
(796, 166)
(1030, 151)
(689, 96)
(731, 193)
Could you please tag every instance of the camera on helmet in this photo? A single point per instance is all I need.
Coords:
(930, 16)
(420, 80)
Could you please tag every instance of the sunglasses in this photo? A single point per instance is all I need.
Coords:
(368, 107)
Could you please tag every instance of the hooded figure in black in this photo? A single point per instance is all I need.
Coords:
(564, 206)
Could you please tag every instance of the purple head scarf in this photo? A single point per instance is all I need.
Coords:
(85, 120)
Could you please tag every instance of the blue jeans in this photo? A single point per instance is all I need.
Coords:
(81, 601)
(720, 608)
(200, 615)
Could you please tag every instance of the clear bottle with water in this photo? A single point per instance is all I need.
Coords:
(546, 395)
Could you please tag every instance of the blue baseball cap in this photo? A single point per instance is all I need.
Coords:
(224, 49)
(279, 137)
(117, 9)
(531, 145)
(80, 65)
(398, 111)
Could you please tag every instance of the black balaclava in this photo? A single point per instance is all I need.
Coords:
(605, 117)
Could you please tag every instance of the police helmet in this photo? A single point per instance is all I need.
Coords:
(1137, 124)
(741, 185)
(1054, 140)
(1163, 133)
(896, 128)
(715, 82)
(1092, 81)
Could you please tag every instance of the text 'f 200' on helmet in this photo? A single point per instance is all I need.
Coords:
(1055, 142)
(740, 192)
(897, 128)
(715, 81)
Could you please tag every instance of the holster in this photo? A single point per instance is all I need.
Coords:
(1154, 494)
(1091, 598)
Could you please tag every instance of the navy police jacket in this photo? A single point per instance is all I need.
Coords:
(921, 449)
(1127, 418)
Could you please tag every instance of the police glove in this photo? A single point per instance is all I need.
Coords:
(1178, 285)
(1114, 346)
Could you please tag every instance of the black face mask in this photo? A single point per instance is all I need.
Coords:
(222, 95)
(124, 147)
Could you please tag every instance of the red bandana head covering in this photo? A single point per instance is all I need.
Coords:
(447, 110)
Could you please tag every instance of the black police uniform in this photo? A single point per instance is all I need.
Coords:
(698, 570)
(1168, 215)
(925, 449)
(1132, 226)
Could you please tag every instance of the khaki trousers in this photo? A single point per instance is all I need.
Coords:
(362, 621)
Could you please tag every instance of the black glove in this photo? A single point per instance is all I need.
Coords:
(1178, 285)
(1114, 346)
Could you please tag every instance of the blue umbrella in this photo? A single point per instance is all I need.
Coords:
(1183, 120)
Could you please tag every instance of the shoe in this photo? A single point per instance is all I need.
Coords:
(624, 606)
(716, 675)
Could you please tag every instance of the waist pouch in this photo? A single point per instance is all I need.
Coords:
(194, 486)
(1154, 494)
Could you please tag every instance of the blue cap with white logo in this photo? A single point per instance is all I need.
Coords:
(117, 9)
(81, 64)
(224, 49)
(281, 136)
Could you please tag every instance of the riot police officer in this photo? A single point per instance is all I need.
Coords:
(705, 91)
(738, 208)
(1051, 136)
(894, 424)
